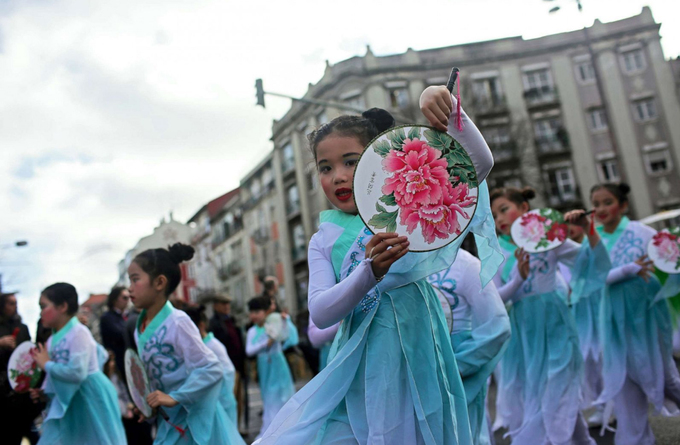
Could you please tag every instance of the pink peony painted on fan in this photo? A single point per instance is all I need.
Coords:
(419, 174)
(664, 250)
(426, 186)
(533, 228)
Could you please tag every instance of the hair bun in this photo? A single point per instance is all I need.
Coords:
(381, 119)
(528, 193)
(624, 188)
(180, 252)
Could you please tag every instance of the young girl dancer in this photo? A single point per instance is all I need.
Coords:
(187, 376)
(82, 402)
(197, 315)
(481, 329)
(276, 381)
(541, 373)
(638, 367)
(392, 376)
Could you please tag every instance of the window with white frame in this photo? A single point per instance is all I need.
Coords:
(658, 162)
(585, 72)
(644, 109)
(609, 171)
(633, 61)
(487, 92)
(546, 131)
(288, 162)
(597, 118)
(299, 242)
(537, 79)
(561, 185)
(293, 199)
(399, 97)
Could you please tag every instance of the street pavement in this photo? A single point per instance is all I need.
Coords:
(666, 429)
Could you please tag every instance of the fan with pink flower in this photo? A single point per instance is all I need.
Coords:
(539, 230)
(416, 181)
(22, 369)
(664, 250)
(138, 382)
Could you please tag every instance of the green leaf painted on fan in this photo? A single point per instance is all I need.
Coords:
(397, 136)
(542, 243)
(552, 214)
(382, 147)
(389, 199)
(384, 219)
(414, 133)
(438, 139)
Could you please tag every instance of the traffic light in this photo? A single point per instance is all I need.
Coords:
(259, 92)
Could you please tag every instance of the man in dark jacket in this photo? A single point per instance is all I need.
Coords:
(17, 412)
(112, 325)
(224, 327)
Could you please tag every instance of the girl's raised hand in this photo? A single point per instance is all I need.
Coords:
(523, 263)
(159, 398)
(577, 218)
(647, 267)
(436, 104)
(385, 249)
(36, 395)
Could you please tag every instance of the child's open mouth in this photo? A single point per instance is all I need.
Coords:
(343, 194)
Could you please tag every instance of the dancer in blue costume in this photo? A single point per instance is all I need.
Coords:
(638, 367)
(186, 376)
(227, 399)
(586, 316)
(264, 341)
(392, 377)
(542, 367)
(82, 401)
(480, 332)
(322, 339)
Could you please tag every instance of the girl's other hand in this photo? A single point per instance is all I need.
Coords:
(40, 355)
(36, 394)
(436, 104)
(577, 218)
(647, 267)
(523, 263)
(385, 249)
(159, 398)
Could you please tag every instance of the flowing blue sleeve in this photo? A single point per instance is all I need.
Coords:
(293, 335)
(199, 394)
(670, 288)
(63, 380)
(418, 265)
(590, 267)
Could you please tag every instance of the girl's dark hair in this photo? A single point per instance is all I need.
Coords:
(620, 190)
(113, 296)
(513, 194)
(60, 293)
(197, 314)
(365, 127)
(157, 262)
(259, 304)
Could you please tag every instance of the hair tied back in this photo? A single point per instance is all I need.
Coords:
(381, 119)
(180, 252)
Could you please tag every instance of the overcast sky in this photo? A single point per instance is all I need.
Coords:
(114, 113)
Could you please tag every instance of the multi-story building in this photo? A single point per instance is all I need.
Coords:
(561, 113)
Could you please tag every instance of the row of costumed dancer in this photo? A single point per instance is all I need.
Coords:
(396, 371)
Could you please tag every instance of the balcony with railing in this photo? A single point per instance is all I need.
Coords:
(551, 144)
(483, 105)
(541, 96)
(503, 151)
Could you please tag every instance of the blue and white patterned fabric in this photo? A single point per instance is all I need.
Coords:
(182, 366)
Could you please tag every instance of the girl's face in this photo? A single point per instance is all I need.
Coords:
(257, 317)
(50, 314)
(607, 208)
(336, 159)
(505, 212)
(143, 292)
